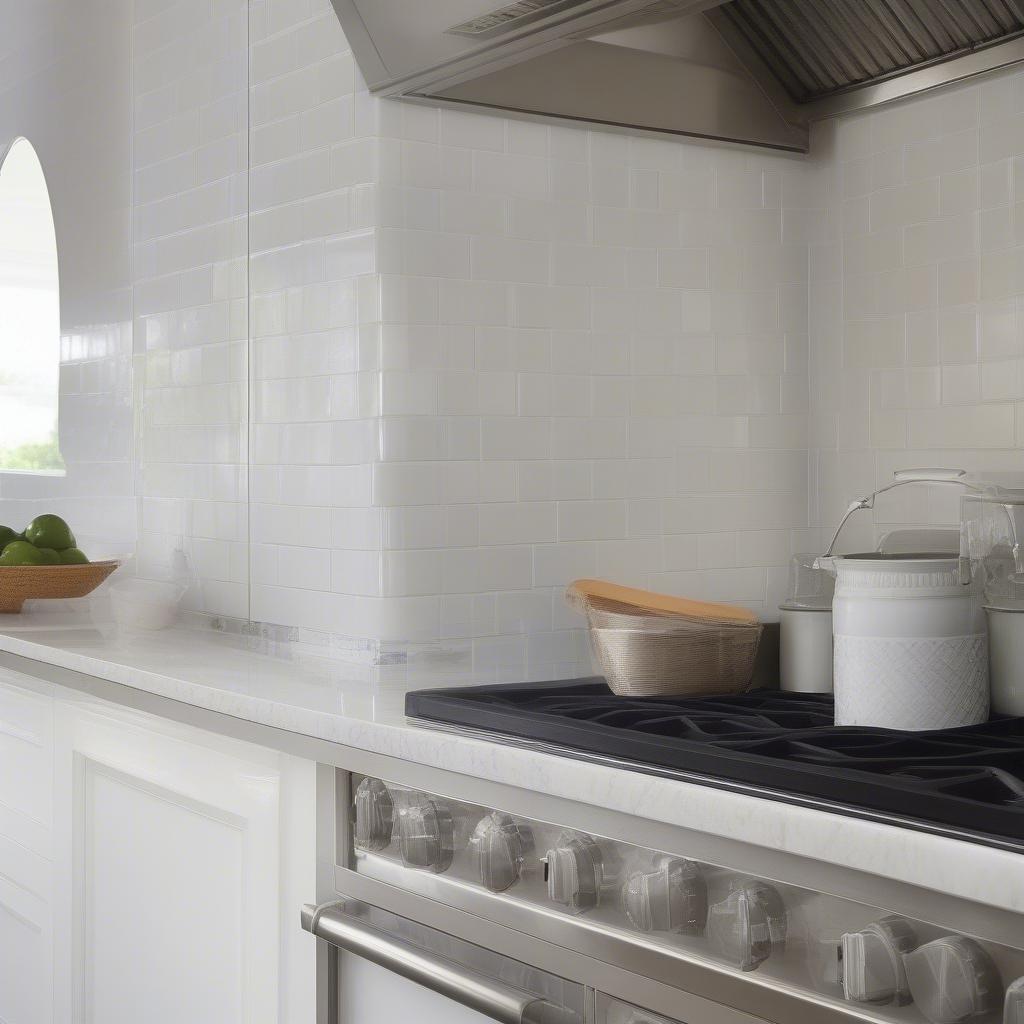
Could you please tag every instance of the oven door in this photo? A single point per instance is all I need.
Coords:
(615, 1011)
(382, 967)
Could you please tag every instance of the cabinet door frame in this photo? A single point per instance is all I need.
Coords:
(238, 788)
(26, 847)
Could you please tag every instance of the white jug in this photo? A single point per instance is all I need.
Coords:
(910, 639)
(910, 644)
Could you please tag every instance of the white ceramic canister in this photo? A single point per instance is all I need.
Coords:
(805, 649)
(805, 627)
(910, 644)
(1006, 659)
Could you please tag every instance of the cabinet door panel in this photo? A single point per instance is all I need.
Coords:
(26, 867)
(26, 753)
(172, 880)
(164, 904)
(25, 955)
(148, 870)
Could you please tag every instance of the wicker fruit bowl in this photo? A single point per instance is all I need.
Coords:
(21, 583)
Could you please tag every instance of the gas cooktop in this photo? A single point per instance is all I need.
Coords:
(968, 782)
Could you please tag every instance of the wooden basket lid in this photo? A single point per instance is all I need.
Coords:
(582, 592)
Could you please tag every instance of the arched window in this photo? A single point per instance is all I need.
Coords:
(29, 317)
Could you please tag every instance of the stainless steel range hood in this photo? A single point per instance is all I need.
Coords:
(750, 71)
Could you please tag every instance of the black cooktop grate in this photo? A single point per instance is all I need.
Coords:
(969, 779)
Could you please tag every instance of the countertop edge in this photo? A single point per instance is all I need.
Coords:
(970, 871)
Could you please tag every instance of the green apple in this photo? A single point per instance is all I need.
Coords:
(73, 556)
(20, 552)
(7, 535)
(50, 556)
(50, 531)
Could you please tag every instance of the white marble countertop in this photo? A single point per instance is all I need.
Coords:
(363, 707)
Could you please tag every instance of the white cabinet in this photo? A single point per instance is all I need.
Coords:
(167, 870)
(26, 855)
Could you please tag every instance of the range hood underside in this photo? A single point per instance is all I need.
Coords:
(612, 79)
(751, 71)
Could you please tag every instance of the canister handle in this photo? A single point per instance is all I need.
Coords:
(957, 477)
(928, 476)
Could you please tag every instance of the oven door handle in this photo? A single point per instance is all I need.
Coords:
(332, 923)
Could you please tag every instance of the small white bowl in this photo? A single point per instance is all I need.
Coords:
(145, 604)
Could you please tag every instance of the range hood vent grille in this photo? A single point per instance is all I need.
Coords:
(504, 18)
(818, 48)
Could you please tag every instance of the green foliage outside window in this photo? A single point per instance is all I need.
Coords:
(42, 455)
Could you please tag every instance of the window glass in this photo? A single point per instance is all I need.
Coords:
(29, 317)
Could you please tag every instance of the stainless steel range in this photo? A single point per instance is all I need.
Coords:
(517, 906)
(964, 782)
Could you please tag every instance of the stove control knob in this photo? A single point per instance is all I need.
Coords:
(748, 925)
(575, 872)
(673, 897)
(426, 835)
(1014, 1010)
(499, 846)
(952, 980)
(374, 815)
(872, 962)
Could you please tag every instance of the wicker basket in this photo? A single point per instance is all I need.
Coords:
(21, 583)
(676, 648)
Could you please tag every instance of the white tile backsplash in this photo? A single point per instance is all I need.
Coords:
(608, 318)
(925, 319)
(190, 278)
(402, 373)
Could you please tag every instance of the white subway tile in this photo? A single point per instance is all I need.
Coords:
(574, 264)
(557, 565)
(515, 438)
(566, 220)
(968, 426)
(469, 213)
(509, 259)
(472, 131)
(958, 335)
(563, 308)
(489, 356)
(480, 303)
(591, 520)
(517, 523)
(511, 175)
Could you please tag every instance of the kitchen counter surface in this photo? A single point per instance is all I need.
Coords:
(363, 707)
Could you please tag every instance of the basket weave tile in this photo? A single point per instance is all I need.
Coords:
(21, 583)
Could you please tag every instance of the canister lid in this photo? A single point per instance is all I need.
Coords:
(888, 560)
(902, 575)
(810, 588)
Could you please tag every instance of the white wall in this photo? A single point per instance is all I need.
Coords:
(486, 356)
(315, 314)
(138, 110)
(492, 356)
(915, 300)
(594, 364)
(189, 91)
(64, 86)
